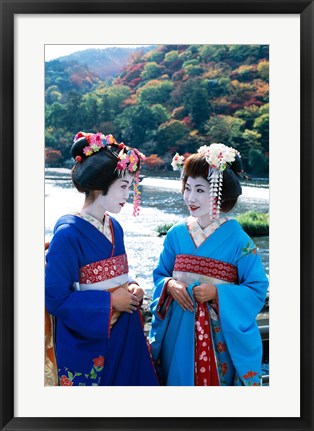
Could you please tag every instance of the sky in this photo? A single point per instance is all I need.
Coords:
(55, 51)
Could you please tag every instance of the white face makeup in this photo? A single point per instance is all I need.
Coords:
(117, 194)
(112, 202)
(197, 198)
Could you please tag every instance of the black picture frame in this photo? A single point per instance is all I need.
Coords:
(9, 8)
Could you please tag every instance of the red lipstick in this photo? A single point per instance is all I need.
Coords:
(193, 208)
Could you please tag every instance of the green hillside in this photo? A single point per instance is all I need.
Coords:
(171, 98)
(62, 77)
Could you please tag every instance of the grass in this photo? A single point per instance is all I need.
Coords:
(253, 223)
(162, 229)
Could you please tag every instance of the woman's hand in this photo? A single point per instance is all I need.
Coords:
(179, 293)
(122, 300)
(204, 292)
(136, 290)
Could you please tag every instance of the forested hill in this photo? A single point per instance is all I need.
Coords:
(171, 98)
(82, 70)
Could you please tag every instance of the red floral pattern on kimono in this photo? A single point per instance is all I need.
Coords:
(205, 373)
(94, 375)
(206, 266)
(104, 270)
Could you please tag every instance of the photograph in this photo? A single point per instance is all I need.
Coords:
(207, 105)
(156, 216)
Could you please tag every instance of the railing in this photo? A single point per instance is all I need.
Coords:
(264, 331)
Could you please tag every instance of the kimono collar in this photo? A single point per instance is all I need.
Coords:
(104, 227)
(198, 234)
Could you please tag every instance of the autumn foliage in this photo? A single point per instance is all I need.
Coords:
(153, 162)
(52, 156)
(172, 97)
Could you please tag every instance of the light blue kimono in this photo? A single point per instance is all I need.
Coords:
(234, 323)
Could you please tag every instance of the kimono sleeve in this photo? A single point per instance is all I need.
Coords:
(161, 301)
(160, 318)
(87, 313)
(166, 261)
(240, 303)
(245, 299)
(163, 271)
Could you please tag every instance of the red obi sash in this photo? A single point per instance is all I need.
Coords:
(104, 269)
(206, 266)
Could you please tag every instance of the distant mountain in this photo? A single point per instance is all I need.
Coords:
(105, 62)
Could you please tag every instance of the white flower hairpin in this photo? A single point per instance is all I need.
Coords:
(177, 162)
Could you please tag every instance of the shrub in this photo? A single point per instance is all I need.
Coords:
(162, 229)
(254, 223)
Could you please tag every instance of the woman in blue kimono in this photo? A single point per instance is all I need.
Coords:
(98, 328)
(209, 283)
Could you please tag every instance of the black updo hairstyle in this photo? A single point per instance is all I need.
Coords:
(197, 166)
(97, 171)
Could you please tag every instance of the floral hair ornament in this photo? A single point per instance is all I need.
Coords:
(95, 143)
(130, 161)
(177, 162)
(218, 156)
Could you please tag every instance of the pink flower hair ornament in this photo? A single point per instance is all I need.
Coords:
(128, 159)
(95, 143)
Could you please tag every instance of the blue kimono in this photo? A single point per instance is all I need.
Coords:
(221, 339)
(94, 345)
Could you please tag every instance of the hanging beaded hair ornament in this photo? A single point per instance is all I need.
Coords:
(218, 156)
(128, 159)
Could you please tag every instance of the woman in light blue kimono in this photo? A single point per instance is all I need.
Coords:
(210, 283)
